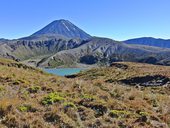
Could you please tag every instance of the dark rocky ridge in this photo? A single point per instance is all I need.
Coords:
(149, 41)
(25, 49)
(105, 51)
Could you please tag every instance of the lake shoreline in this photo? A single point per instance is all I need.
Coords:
(64, 71)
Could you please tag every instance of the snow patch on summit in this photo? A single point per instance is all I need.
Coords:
(66, 26)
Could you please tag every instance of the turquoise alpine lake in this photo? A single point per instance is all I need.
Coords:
(64, 71)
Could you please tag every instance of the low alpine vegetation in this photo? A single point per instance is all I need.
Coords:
(95, 98)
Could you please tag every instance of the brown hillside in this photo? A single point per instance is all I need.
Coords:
(123, 95)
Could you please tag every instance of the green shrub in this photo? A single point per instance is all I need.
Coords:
(23, 108)
(119, 113)
(52, 98)
(2, 88)
(88, 97)
(26, 108)
(69, 104)
(143, 113)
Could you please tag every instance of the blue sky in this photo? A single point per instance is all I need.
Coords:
(116, 19)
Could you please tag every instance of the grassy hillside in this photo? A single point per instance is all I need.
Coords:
(103, 97)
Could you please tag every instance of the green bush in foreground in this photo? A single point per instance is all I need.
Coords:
(52, 98)
(26, 108)
(118, 113)
(69, 104)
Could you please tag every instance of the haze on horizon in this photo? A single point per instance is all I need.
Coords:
(119, 20)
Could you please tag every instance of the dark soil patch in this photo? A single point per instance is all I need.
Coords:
(98, 108)
(121, 66)
(71, 76)
(147, 81)
(5, 79)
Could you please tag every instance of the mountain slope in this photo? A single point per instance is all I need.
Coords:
(3, 40)
(55, 50)
(105, 51)
(36, 46)
(64, 28)
(150, 42)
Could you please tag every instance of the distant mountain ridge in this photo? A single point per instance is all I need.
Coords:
(64, 28)
(150, 42)
(105, 51)
(61, 43)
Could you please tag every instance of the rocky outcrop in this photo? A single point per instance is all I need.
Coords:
(147, 81)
